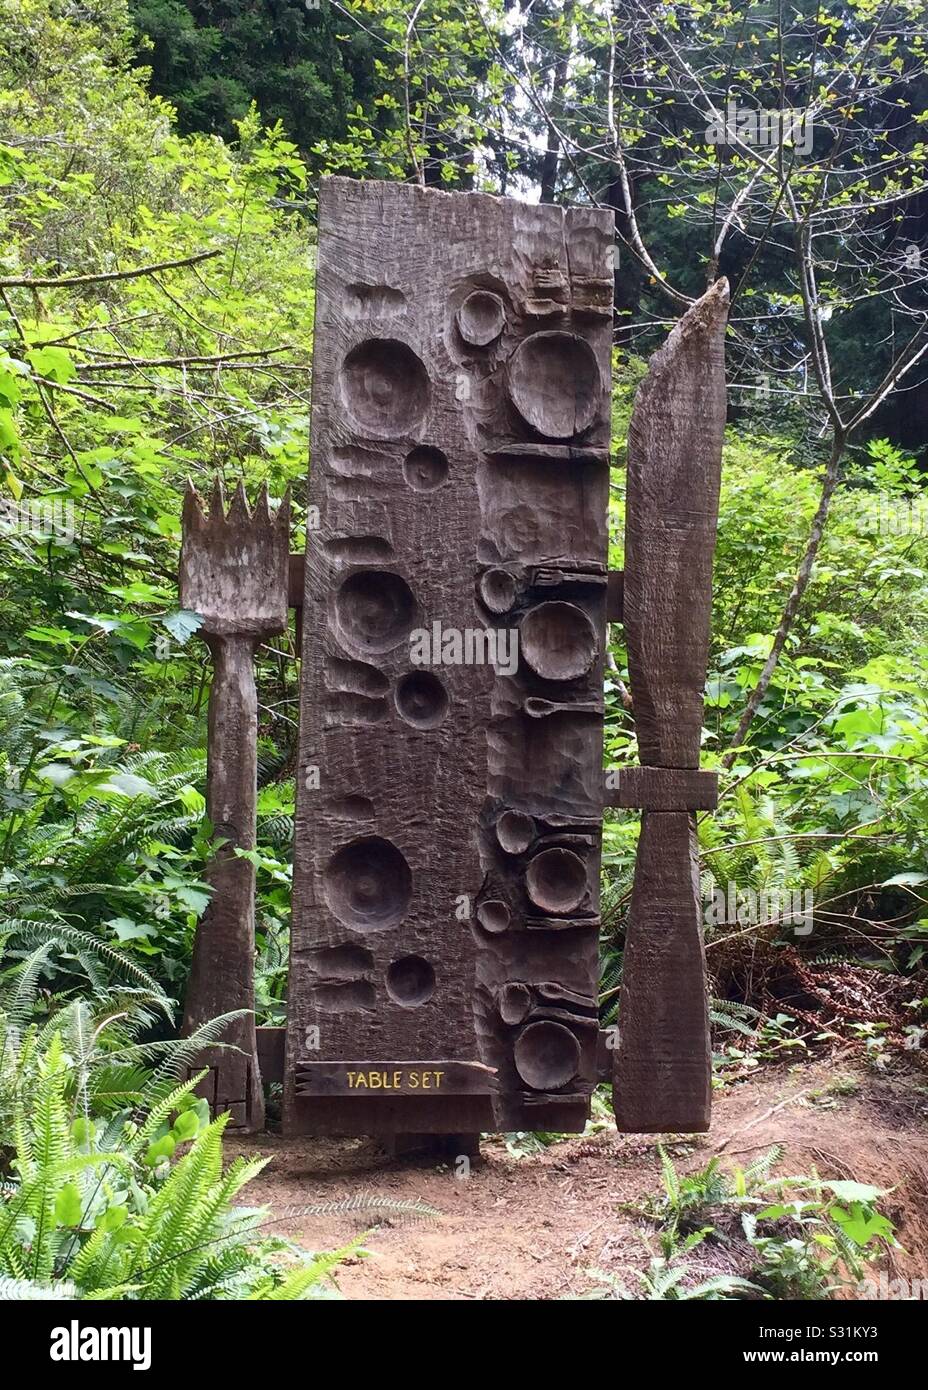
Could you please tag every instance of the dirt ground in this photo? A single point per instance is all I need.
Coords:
(533, 1227)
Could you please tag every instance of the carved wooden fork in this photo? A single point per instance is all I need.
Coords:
(233, 573)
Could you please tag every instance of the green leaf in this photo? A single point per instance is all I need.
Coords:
(68, 1208)
(82, 1129)
(54, 636)
(113, 1218)
(182, 624)
(774, 1213)
(97, 620)
(13, 483)
(168, 524)
(9, 435)
(127, 784)
(56, 773)
(193, 898)
(854, 1191)
(861, 1223)
(9, 389)
(139, 591)
(161, 1149)
(127, 930)
(186, 1125)
(53, 362)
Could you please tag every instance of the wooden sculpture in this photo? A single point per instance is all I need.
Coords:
(233, 573)
(444, 948)
(662, 1071)
(444, 944)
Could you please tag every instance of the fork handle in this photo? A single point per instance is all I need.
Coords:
(222, 973)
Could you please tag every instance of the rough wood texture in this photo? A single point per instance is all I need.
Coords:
(674, 470)
(615, 596)
(272, 1043)
(449, 815)
(663, 1071)
(233, 572)
(296, 581)
(664, 789)
(662, 1064)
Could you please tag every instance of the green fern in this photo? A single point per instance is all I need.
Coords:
(129, 1206)
(26, 1290)
(665, 1279)
(693, 1201)
(734, 1015)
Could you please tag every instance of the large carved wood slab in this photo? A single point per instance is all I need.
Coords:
(446, 875)
(662, 1074)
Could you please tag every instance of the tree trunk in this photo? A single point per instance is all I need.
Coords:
(551, 161)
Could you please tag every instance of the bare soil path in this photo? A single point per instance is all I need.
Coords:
(533, 1227)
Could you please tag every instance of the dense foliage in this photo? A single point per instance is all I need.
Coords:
(301, 63)
(156, 299)
(111, 1175)
(116, 389)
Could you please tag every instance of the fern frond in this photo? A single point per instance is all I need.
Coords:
(158, 1113)
(18, 1002)
(300, 1281)
(669, 1172)
(369, 1202)
(734, 1015)
(762, 1167)
(21, 1290)
(184, 1053)
(61, 933)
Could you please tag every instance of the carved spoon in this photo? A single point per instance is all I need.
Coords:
(538, 708)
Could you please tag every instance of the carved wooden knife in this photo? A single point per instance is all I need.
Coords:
(662, 1069)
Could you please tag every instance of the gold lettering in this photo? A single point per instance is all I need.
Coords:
(396, 1080)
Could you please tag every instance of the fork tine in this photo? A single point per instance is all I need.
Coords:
(234, 567)
(282, 519)
(239, 511)
(193, 517)
(262, 512)
(217, 505)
